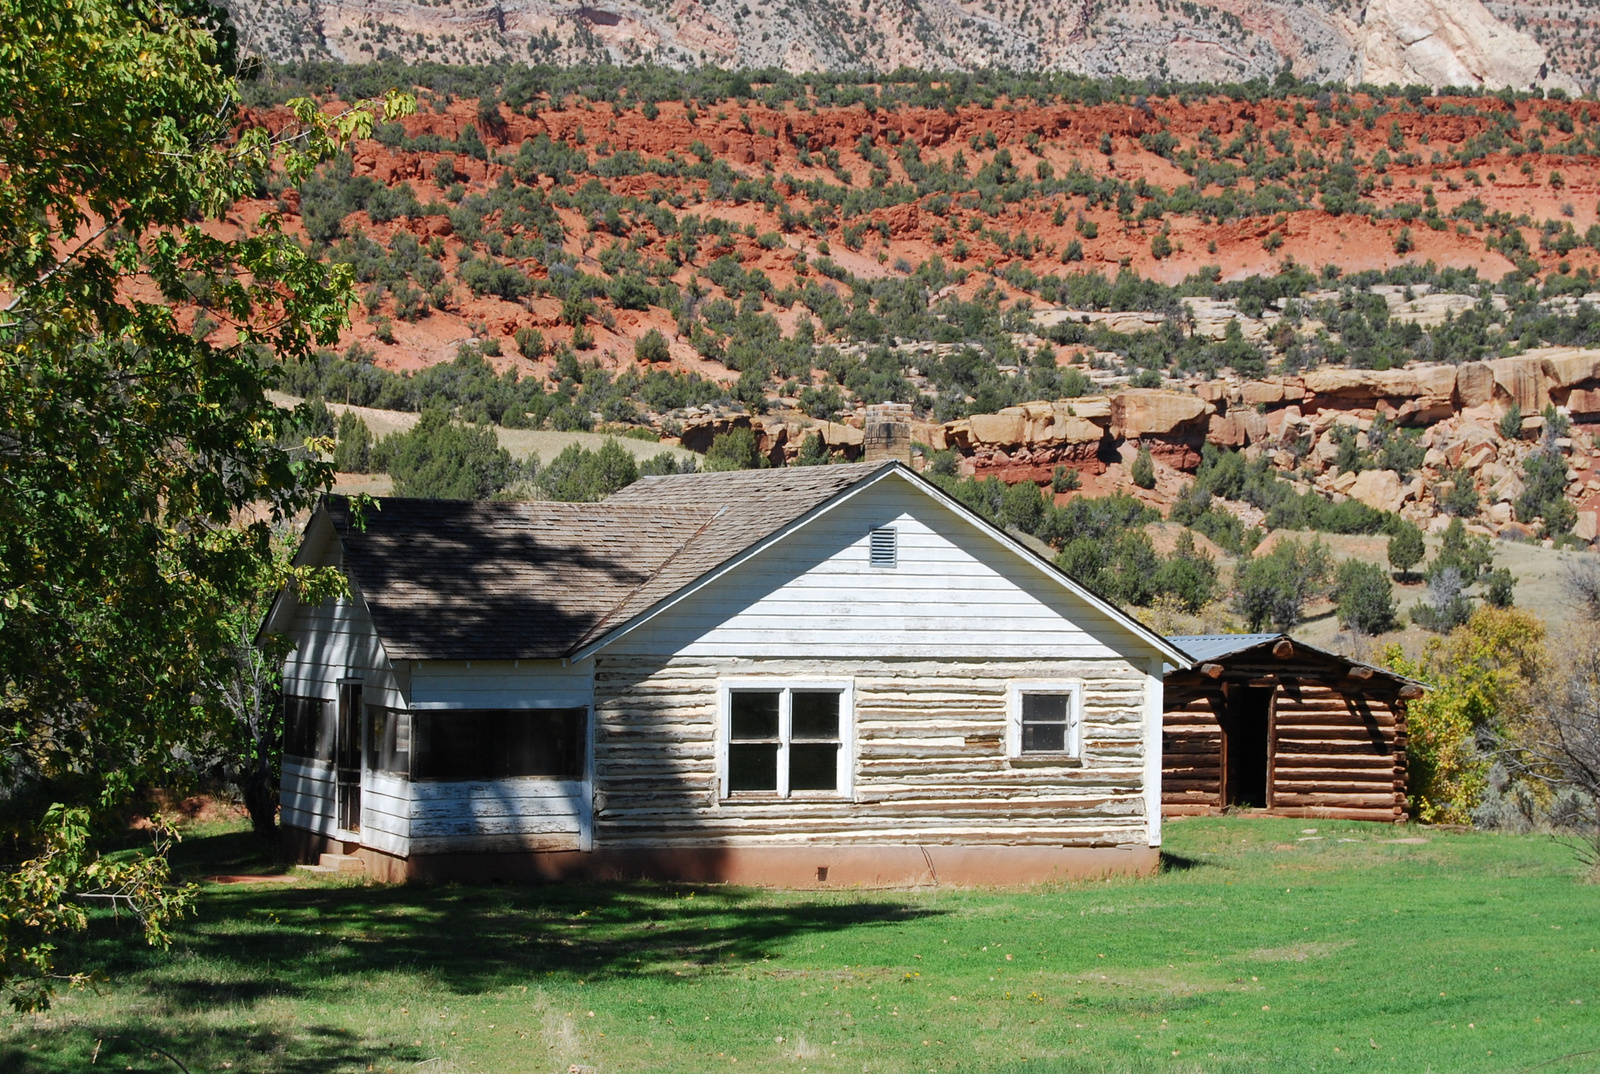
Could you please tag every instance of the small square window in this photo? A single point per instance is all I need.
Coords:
(1045, 720)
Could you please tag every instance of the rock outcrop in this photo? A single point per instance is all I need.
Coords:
(1448, 43)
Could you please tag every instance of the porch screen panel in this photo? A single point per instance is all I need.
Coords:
(307, 730)
(468, 744)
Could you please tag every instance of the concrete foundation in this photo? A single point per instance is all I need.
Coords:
(816, 867)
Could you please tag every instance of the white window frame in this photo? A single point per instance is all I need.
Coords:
(845, 688)
(1073, 688)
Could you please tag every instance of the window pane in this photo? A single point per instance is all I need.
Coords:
(1044, 737)
(814, 767)
(755, 714)
(815, 715)
(1044, 708)
(752, 768)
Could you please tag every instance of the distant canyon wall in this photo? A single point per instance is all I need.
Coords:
(1430, 42)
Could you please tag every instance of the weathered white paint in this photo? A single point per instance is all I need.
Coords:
(501, 684)
(505, 814)
(1074, 691)
(1153, 705)
(306, 795)
(955, 593)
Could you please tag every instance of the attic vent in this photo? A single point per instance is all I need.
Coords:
(883, 547)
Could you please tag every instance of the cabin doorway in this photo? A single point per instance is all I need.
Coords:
(347, 756)
(1245, 753)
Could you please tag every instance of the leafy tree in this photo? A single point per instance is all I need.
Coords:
(579, 475)
(735, 449)
(141, 470)
(1406, 547)
(1274, 588)
(1143, 470)
(438, 459)
(353, 455)
(1361, 591)
(1480, 676)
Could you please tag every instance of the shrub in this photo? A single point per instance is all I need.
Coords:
(579, 475)
(529, 341)
(813, 451)
(652, 347)
(1545, 492)
(1363, 597)
(1064, 480)
(1511, 422)
(736, 449)
(438, 459)
(1143, 470)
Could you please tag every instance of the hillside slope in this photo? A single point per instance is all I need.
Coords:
(1435, 42)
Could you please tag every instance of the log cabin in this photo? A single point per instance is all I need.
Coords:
(1268, 723)
(831, 675)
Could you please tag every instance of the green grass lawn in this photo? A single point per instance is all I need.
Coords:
(1261, 947)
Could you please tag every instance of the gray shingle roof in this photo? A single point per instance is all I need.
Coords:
(457, 580)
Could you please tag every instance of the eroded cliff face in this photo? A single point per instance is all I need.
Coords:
(1434, 42)
(1449, 43)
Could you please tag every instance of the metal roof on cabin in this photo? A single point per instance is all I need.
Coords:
(1212, 646)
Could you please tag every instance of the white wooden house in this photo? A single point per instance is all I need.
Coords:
(827, 675)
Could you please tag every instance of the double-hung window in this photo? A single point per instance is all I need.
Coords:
(1046, 720)
(786, 740)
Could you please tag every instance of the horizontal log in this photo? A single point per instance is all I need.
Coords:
(1336, 800)
(1337, 786)
(1385, 814)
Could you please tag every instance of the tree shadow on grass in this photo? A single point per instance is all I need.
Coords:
(1179, 863)
(149, 1049)
(248, 943)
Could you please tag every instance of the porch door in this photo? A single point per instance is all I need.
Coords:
(347, 756)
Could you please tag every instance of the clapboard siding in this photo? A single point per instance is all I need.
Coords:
(498, 815)
(490, 684)
(919, 775)
(955, 593)
(306, 795)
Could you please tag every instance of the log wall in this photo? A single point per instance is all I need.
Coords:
(930, 762)
(1333, 755)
